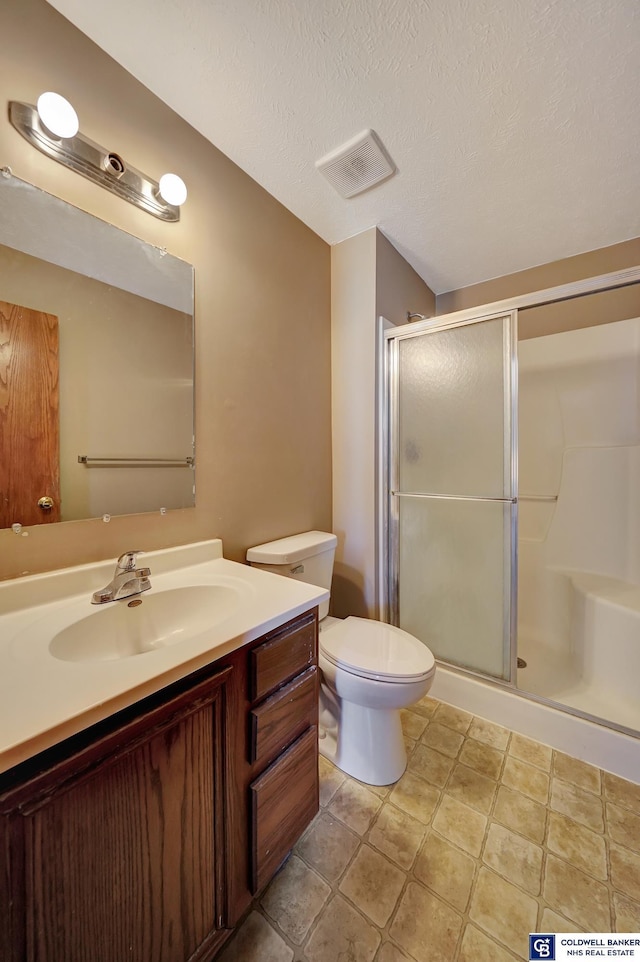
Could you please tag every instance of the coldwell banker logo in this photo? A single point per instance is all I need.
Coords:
(542, 947)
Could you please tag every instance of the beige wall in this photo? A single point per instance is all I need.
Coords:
(369, 278)
(399, 290)
(549, 319)
(262, 289)
(353, 314)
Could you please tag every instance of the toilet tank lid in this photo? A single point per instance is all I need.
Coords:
(294, 548)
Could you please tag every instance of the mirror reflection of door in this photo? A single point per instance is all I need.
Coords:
(29, 417)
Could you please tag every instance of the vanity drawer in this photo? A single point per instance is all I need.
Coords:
(283, 656)
(284, 799)
(276, 722)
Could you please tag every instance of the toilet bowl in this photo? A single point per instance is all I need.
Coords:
(369, 670)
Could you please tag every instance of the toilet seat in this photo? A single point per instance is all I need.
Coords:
(372, 649)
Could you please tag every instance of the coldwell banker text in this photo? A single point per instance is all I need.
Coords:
(553, 947)
(601, 947)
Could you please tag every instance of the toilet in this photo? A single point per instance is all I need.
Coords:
(369, 670)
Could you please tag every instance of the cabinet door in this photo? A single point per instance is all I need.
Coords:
(279, 720)
(126, 861)
(283, 654)
(284, 799)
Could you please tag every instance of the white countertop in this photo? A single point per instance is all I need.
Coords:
(44, 699)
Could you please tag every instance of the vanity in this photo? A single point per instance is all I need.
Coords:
(155, 770)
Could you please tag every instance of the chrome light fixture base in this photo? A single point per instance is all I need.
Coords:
(98, 164)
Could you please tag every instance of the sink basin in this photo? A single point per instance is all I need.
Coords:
(145, 622)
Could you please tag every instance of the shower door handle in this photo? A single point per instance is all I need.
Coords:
(451, 497)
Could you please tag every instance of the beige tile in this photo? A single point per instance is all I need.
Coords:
(472, 788)
(409, 744)
(341, 933)
(355, 805)
(625, 872)
(397, 835)
(622, 792)
(380, 790)
(577, 804)
(623, 826)
(521, 814)
(373, 884)
(425, 927)
(552, 922)
(478, 947)
(426, 706)
(526, 779)
(627, 913)
(460, 824)
(453, 718)
(443, 739)
(504, 911)
(528, 750)
(484, 759)
(576, 896)
(578, 845)
(294, 899)
(446, 870)
(331, 778)
(578, 773)
(514, 857)
(489, 733)
(413, 725)
(415, 797)
(424, 920)
(430, 765)
(390, 953)
(256, 939)
(327, 846)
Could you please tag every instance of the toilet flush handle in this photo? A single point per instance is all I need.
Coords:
(298, 570)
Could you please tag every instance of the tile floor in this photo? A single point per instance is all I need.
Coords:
(486, 837)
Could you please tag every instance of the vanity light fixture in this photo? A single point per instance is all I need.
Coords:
(173, 189)
(57, 115)
(53, 128)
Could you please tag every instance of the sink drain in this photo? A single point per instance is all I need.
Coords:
(522, 663)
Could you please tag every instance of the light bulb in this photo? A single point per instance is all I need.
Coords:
(57, 115)
(173, 189)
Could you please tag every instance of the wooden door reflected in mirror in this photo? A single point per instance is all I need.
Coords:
(29, 416)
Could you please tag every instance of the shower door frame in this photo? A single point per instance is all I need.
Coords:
(386, 333)
(392, 337)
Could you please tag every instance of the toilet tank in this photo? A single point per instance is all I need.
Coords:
(306, 557)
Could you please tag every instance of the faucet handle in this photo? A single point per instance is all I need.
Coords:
(127, 561)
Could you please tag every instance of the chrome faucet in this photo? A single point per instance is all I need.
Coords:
(127, 580)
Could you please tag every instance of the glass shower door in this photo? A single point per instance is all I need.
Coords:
(452, 510)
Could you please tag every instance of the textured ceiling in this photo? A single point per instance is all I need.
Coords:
(514, 124)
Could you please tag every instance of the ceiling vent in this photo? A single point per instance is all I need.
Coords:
(359, 164)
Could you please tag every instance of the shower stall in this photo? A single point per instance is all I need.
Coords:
(510, 497)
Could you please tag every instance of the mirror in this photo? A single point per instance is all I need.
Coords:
(96, 366)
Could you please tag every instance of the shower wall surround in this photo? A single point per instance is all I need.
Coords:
(579, 555)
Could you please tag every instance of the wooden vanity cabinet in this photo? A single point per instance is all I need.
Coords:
(118, 852)
(136, 840)
(283, 744)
